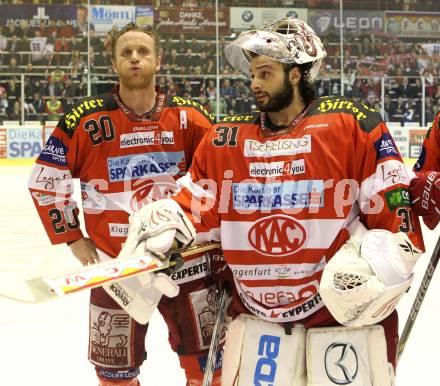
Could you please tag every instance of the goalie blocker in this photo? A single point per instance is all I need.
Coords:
(261, 353)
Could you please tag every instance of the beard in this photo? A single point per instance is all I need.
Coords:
(281, 98)
(136, 82)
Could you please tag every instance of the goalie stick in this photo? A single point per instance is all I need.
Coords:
(48, 287)
(216, 336)
(429, 273)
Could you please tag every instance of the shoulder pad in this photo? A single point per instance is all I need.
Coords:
(251, 118)
(86, 106)
(367, 117)
(184, 102)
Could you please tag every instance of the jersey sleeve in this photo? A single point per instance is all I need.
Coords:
(198, 195)
(198, 124)
(429, 158)
(384, 180)
(51, 186)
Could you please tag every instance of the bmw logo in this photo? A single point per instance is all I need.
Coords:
(292, 14)
(247, 16)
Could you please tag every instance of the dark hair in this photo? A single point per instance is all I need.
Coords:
(306, 88)
(134, 27)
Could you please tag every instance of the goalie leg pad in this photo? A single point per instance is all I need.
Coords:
(342, 355)
(258, 352)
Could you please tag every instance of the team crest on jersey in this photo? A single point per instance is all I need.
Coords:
(145, 191)
(277, 235)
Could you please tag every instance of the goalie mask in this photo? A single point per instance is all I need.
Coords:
(287, 41)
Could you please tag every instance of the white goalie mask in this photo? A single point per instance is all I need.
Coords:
(287, 41)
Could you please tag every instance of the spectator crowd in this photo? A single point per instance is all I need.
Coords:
(395, 76)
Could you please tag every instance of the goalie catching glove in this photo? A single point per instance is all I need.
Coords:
(365, 279)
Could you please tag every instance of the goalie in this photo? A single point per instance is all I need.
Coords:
(309, 198)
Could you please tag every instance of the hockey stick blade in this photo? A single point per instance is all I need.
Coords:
(47, 287)
(129, 296)
(90, 276)
(429, 273)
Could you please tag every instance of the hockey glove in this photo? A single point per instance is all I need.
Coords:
(425, 197)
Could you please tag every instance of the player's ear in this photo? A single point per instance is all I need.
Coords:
(295, 75)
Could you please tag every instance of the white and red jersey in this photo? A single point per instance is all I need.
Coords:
(429, 158)
(123, 161)
(279, 199)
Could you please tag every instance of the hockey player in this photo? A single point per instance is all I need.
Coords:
(309, 198)
(425, 188)
(126, 147)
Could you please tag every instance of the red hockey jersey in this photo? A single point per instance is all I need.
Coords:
(122, 160)
(429, 158)
(280, 200)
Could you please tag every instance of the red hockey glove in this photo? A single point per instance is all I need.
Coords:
(425, 197)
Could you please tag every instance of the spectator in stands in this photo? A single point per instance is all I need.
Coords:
(210, 68)
(70, 90)
(226, 90)
(13, 66)
(76, 60)
(15, 46)
(4, 103)
(53, 88)
(188, 59)
(196, 46)
(187, 88)
(209, 48)
(38, 103)
(3, 41)
(241, 88)
(13, 88)
(222, 105)
(211, 90)
(15, 113)
(182, 45)
(172, 62)
(54, 108)
(58, 75)
(11, 30)
(102, 59)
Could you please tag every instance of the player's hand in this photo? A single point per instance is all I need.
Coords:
(425, 197)
(85, 251)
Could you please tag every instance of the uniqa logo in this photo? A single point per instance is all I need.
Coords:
(277, 235)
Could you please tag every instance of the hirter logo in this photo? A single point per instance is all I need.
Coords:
(277, 235)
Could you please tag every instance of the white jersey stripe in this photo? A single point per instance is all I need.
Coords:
(320, 233)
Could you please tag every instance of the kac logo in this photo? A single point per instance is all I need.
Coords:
(341, 363)
(266, 367)
(277, 235)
